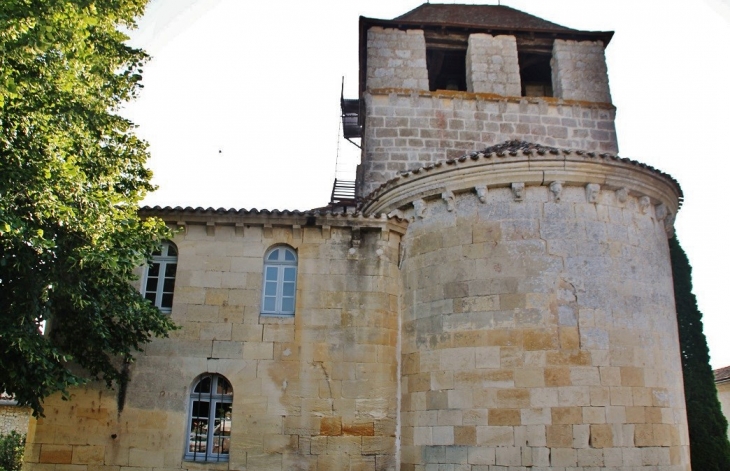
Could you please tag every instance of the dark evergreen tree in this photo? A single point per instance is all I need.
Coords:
(709, 446)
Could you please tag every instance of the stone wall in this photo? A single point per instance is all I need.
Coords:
(404, 131)
(579, 71)
(539, 331)
(14, 418)
(316, 391)
(492, 66)
(396, 59)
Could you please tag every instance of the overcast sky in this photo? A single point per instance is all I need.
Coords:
(241, 106)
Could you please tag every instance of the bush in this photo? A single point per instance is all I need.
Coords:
(12, 447)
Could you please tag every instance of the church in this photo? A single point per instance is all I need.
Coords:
(492, 293)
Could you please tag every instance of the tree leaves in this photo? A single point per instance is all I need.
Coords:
(71, 175)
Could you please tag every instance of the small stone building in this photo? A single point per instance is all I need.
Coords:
(495, 295)
(13, 418)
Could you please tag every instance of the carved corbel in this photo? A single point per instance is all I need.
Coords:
(644, 203)
(384, 234)
(518, 191)
(556, 188)
(622, 195)
(396, 213)
(592, 190)
(419, 207)
(210, 228)
(239, 229)
(481, 192)
(268, 231)
(182, 227)
(661, 211)
(448, 197)
(356, 238)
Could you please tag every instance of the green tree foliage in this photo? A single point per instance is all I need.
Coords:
(12, 448)
(709, 446)
(71, 177)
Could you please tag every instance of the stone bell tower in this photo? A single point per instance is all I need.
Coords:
(538, 328)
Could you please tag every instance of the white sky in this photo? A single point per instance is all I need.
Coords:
(241, 106)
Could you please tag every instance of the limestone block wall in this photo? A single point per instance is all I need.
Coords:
(396, 59)
(316, 391)
(539, 332)
(13, 418)
(406, 131)
(579, 71)
(492, 66)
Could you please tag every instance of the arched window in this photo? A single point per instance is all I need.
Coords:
(280, 282)
(209, 419)
(159, 279)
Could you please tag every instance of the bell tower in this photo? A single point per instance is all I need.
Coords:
(538, 327)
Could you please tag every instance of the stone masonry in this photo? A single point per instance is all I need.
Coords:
(397, 59)
(13, 418)
(579, 71)
(406, 130)
(491, 65)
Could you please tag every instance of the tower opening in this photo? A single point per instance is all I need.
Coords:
(446, 69)
(535, 73)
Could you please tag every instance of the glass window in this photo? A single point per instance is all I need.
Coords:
(159, 279)
(209, 419)
(278, 296)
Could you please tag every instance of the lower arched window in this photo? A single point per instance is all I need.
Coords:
(209, 419)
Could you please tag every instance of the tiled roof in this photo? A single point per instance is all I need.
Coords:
(189, 210)
(481, 16)
(515, 148)
(722, 374)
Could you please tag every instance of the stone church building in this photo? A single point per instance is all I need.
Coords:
(494, 295)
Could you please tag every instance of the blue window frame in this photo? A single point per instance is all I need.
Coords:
(278, 296)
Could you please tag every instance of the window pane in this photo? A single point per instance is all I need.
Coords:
(273, 256)
(271, 273)
(201, 409)
(224, 387)
(289, 256)
(198, 436)
(151, 283)
(290, 273)
(153, 270)
(288, 289)
(169, 285)
(270, 289)
(151, 296)
(203, 386)
(170, 270)
(171, 250)
(166, 300)
(287, 305)
(269, 304)
(222, 430)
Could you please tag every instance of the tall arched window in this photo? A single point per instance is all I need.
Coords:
(159, 279)
(209, 419)
(280, 282)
